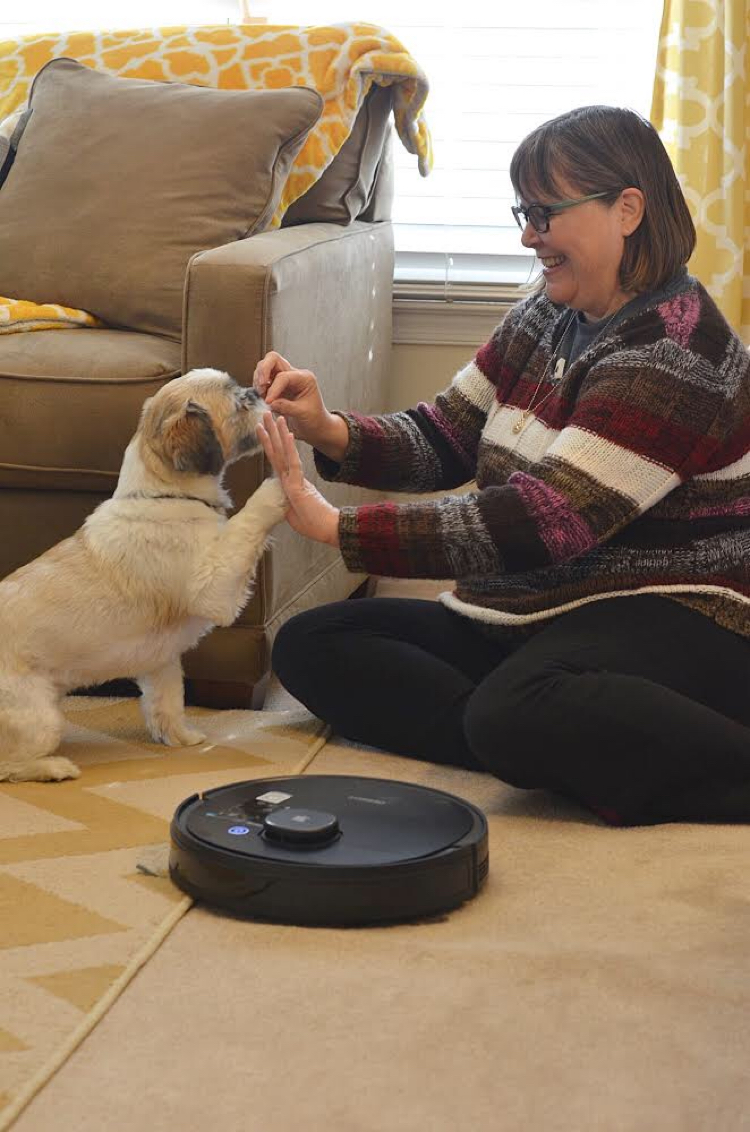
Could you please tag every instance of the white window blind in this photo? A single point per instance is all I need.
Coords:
(496, 70)
(85, 15)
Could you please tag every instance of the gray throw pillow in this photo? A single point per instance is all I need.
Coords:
(344, 190)
(117, 182)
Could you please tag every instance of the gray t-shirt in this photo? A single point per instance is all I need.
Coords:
(581, 333)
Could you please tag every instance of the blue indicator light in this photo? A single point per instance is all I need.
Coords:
(238, 830)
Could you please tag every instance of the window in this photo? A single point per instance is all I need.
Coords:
(51, 15)
(496, 70)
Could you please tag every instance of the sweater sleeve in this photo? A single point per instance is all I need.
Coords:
(646, 419)
(430, 448)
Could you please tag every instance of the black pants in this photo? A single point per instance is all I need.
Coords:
(637, 707)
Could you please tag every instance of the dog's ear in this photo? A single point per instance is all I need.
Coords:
(191, 444)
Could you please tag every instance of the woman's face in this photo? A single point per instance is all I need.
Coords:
(582, 250)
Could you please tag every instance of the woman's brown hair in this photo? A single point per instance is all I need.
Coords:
(608, 149)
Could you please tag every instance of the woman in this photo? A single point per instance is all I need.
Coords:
(597, 642)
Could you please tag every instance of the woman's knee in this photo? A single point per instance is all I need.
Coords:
(296, 645)
(315, 648)
(508, 732)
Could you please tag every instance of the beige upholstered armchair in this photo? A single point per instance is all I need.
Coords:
(151, 208)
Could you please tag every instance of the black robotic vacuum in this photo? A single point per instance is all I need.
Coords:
(329, 849)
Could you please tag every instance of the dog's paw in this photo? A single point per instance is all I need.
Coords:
(52, 768)
(269, 500)
(59, 768)
(178, 735)
(191, 737)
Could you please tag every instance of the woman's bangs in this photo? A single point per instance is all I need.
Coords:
(531, 172)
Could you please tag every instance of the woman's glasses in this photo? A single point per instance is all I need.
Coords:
(539, 215)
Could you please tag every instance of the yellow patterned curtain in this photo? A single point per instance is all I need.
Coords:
(701, 108)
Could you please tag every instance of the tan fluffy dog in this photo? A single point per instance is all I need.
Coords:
(151, 570)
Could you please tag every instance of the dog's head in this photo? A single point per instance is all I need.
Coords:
(201, 422)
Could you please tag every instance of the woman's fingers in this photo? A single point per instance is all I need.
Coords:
(279, 446)
(289, 446)
(288, 392)
(269, 439)
(276, 386)
(267, 369)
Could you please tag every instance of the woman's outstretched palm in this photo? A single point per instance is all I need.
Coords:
(310, 514)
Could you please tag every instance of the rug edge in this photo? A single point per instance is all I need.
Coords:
(59, 1057)
(87, 1024)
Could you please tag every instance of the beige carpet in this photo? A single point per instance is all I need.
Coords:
(77, 918)
(600, 982)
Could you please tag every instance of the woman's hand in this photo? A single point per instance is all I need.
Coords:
(309, 513)
(295, 395)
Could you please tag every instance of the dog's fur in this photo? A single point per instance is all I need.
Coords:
(150, 572)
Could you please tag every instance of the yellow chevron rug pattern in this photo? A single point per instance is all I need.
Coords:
(77, 917)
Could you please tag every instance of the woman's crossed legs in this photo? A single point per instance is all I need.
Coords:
(637, 707)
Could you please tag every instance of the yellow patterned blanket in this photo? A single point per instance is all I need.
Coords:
(341, 62)
(17, 315)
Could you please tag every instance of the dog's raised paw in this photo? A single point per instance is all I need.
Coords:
(271, 496)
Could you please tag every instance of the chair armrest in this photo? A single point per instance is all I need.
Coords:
(320, 294)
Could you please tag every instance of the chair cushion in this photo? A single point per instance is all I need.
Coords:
(117, 182)
(71, 402)
(344, 190)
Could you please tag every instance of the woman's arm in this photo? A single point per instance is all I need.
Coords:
(646, 421)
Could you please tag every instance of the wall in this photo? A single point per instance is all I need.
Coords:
(419, 371)
(432, 341)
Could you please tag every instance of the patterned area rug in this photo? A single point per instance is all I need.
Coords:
(77, 917)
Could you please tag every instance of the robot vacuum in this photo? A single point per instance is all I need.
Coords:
(329, 849)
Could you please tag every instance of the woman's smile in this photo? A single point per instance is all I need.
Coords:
(550, 262)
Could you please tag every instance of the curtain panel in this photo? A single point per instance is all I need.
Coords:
(701, 107)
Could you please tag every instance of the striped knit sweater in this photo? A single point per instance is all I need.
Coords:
(632, 477)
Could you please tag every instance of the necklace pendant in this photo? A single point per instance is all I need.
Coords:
(519, 425)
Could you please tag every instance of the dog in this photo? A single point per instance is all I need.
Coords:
(150, 572)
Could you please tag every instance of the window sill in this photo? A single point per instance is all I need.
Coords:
(448, 322)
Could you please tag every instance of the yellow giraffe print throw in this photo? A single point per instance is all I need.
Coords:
(341, 62)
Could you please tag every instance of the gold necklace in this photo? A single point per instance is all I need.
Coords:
(520, 424)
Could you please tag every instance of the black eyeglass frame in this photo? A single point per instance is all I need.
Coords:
(539, 215)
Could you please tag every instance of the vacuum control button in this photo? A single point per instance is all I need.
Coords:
(294, 825)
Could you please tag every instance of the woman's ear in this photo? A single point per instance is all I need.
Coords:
(633, 206)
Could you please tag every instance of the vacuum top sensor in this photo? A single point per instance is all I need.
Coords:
(329, 849)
